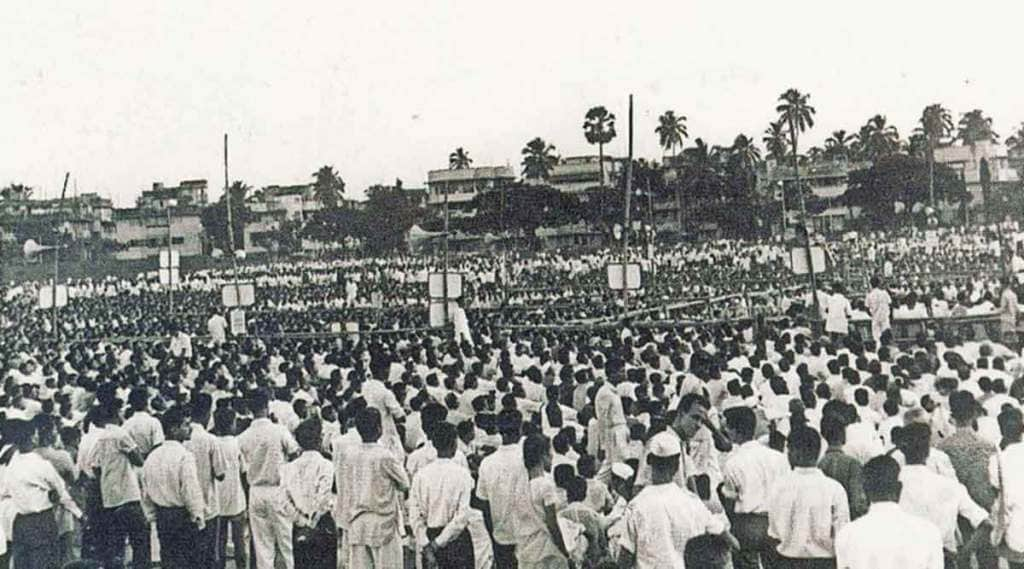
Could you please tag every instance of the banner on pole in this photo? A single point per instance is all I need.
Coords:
(238, 325)
(240, 294)
(618, 281)
(436, 285)
(46, 298)
(798, 260)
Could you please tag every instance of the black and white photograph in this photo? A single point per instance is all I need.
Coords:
(684, 284)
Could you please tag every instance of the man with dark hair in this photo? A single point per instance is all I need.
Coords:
(170, 483)
(307, 483)
(266, 446)
(503, 480)
(690, 415)
(211, 468)
(663, 517)
(612, 432)
(748, 473)
(970, 455)
(144, 429)
(841, 467)
(879, 539)
(806, 508)
(370, 482)
(708, 552)
(939, 499)
(439, 506)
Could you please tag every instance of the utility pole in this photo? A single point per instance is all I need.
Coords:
(231, 226)
(444, 272)
(56, 258)
(170, 260)
(625, 229)
(807, 225)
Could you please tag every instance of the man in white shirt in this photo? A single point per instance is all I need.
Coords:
(170, 485)
(663, 517)
(879, 305)
(439, 506)
(217, 326)
(502, 481)
(806, 508)
(143, 427)
(181, 343)
(211, 469)
(887, 537)
(749, 472)
(936, 498)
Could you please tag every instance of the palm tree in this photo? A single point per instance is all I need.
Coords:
(878, 138)
(798, 115)
(16, 192)
(745, 157)
(1015, 142)
(702, 170)
(917, 146)
(671, 131)
(328, 187)
(975, 127)
(538, 159)
(936, 124)
(459, 159)
(774, 140)
(838, 145)
(599, 128)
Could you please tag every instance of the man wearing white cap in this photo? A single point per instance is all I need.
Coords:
(663, 516)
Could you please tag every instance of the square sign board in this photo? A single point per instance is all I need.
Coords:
(617, 280)
(436, 285)
(437, 314)
(798, 260)
(170, 259)
(46, 297)
(240, 294)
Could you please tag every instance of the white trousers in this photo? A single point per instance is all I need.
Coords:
(387, 556)
(271, 529)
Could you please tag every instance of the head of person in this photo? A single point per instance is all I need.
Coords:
(368, 425)
(803, 446)
(22, 434)
(740, 424)
(691, 414)
(963, 408)
(537, 452)
(833, 430)
(176, 425)
(881, 477)
(664, 451)
(259, 403)
(510, 426)
(224, 420)
(445, 440)
(309, 434)
(138, 399)
(1011, 423)
(707, 551)
(202, 404)
(915, 442)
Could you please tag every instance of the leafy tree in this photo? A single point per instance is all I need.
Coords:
(918, 147)
(899, 178)
(538, 159)
(742, 161)
(975, 127)
(334, 225)
(671, 131)
(16, 192)
(774, 140)
(388, 213)
(878, 138)
(523, 208)
(599, 129)
(936, 124)
(459, 159)
(702, 172)
(603, 207)
(837, 146)
(214, 218)
(1015, 142)
(328, 187)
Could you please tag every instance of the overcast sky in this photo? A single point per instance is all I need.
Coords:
(123, 94)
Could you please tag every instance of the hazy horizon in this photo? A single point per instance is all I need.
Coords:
(125, 94)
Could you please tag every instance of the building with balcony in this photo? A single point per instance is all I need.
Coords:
(576, 174)
(827, 180)
(142, 233)
(186, 193)
(966, 160)
(462, 186)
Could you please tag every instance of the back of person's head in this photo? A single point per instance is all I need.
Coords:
(138, 399)
(172, 419)
(445, 439)
(915, 440)
(962, 406)
(1011, 423)
(510, 424)
(309, 434)
(259, 401)
(833, 430)
(804, 445)
(881, 477)
(224, 421)
(563, 474)
(586, 466)
(742, 420)
(368, 424)
(536, 450)
(576, 489)
(707, 551)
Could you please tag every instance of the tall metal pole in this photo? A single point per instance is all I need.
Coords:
(807, 226)
(653, 233)
(170, 264)
(444, 273)
(625, 230)
(231, 226)
(56, 258)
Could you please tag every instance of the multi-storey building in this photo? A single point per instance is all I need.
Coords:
(576, 174)
(462, 186)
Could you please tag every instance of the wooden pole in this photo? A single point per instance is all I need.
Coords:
(625, 229)
(56, 258)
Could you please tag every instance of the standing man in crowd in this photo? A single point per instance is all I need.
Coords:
(502, 481)
(879, 305)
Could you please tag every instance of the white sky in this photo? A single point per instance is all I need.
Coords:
(123, 94)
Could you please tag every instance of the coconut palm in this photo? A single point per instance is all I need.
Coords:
(837, 146)
(744, 158)
(774, 140)
(671, 131)
(936, 125)
(975, 127)
(459, 159)
(878, 138)
(599, 128)
(328, 187)
(796, 113)
(702, 172)
(538, 159)
(16, 192)
(917, 146)
(1015, 142)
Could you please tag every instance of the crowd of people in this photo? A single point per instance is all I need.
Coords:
(685, 435)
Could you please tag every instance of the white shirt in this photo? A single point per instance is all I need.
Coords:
(28, 480)
(940, 500)
(837, 314)
(440, 499)
(660, 520)
(170, 480)
(502, 482)
(145, 430)
(749, 473)
(230, 495)
(805, 510)
(307, 483)
(887, 537)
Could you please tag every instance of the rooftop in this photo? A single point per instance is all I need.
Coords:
(480, 173)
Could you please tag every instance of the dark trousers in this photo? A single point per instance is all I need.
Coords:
(36, 541)
(791, 563)
(505, 556)
(751, 530)
(986, 553)
(116, 524)
(316, 548)
(457, 553)
(178, 538)
(236, 526)
(206, 544)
